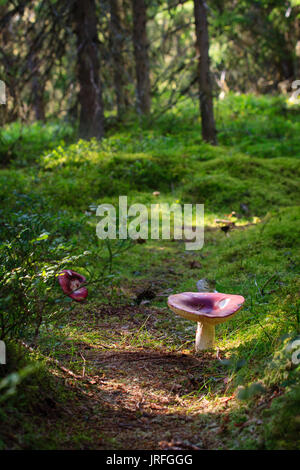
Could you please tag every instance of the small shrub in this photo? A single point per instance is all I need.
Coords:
(21, 145)
(30, 258)
(35, 245)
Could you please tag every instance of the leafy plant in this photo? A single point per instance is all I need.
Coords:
(21, 144)
(31, 257)
(34, 248)
(8, 385)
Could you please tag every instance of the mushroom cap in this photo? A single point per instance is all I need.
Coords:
(205, 307)
(65, 279)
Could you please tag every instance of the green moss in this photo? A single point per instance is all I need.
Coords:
(282, 428)
(225, 183)
(255, 172)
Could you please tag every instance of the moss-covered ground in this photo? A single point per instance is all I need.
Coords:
(137, 382)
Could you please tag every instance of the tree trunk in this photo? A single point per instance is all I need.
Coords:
(140, 44)
(90, 92)
(203, 73)
(116, 47)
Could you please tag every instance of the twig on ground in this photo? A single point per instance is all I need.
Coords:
(56, 362)
(84, 361)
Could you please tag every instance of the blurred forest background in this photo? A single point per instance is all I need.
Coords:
(178, 101)
(80, 60)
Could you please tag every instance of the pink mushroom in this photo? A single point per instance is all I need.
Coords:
(70, 282)
(207, 309)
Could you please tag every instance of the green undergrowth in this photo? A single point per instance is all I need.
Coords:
(34, 405)
(21, 145)
(168, 155)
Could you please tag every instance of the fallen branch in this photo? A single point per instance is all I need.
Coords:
(267, 282)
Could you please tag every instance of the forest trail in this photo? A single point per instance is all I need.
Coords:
(139, 398)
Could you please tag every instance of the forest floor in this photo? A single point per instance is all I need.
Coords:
(120, 371)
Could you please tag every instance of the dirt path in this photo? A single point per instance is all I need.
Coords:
(140, 398)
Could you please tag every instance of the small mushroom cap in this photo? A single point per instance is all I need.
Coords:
(66, 280)
(205, 307)
(80, 294)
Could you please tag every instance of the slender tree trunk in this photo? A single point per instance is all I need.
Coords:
(116, 47)
(90, 92)
(203, 73)
(140, 44)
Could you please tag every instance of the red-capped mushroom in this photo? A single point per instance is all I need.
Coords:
(70, 282)
(207, 309)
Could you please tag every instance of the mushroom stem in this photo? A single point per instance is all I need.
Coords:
(205, 336)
